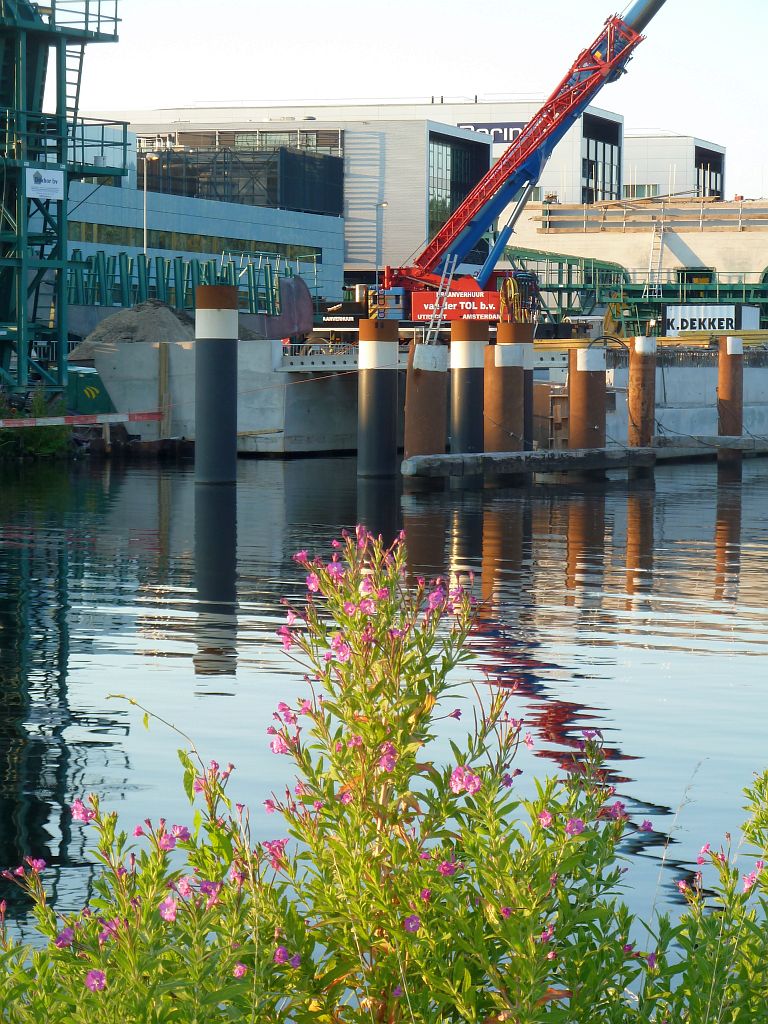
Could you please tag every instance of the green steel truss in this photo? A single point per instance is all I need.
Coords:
(577, 286)
(124, 280)
(40, 153)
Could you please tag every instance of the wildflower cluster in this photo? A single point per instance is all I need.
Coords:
(394, 888)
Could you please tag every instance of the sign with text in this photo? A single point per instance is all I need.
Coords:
(458, 306)
(45, 184)
(501, 132)
(716, 319)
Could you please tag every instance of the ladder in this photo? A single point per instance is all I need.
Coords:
(652, 288)
(75, 53)
(441, 297)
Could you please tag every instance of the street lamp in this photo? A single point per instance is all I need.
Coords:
(379, 206)
(148, 157)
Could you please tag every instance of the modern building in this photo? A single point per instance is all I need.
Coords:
(207, 221)
(402, 178)
(658, 163)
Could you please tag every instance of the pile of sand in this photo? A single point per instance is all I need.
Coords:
(149, 321)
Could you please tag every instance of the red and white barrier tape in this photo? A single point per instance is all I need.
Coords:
(85, 420)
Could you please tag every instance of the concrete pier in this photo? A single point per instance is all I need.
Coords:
(377, 410)
(586, 398)
(730, 402)
(641, 395)
(504, 390)
(426, 400)
(216, 332)
(469, 340)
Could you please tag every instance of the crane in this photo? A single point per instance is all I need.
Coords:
(515, 174)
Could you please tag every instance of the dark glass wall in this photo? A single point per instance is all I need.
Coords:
(455, 167)
(600, 159)
(308, 182)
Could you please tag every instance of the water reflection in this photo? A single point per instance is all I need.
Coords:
(216, 579)
(637, 609)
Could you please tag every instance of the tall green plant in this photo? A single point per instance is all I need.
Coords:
(394, 889)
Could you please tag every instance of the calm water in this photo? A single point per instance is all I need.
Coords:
(642, 612)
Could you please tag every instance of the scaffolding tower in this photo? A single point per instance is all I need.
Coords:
(40, 153)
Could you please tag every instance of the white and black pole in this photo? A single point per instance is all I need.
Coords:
(377, 409)
(469, 340)
(216, 330)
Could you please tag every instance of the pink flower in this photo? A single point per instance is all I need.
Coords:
(388, 758)
(646, 825)
(447, 868)
(180, 832)
(288, 715)
(749, 880)
(412, 923)
(355, 741)
(318, 805)
(456, 713)
(702, 853)
(276, 851)
(345, 797)
(336, 571)
(313, 583)
(168, 909)
(167, 843)
(425, 895)
(138, 831)
(281, 955)
(96, 980)
(295, 961)
(81, 813)
(682, 885)
(184, 887)
(528, 741)
(65, 938)
(236, 876)
(301, 557)
(457, 779)
(36, 864)
(545, 818)
(574, 827)
(239, 970)
(198, 785)
(435, 599)
(618, 811)
(286, 637)
(651, 961)
(367, 607)
(505, 911)
(279, 745)
(547, 934)
(270, 806)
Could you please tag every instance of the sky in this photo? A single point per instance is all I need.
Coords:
(701, 70)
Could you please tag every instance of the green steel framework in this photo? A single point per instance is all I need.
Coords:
(61, 146)
(578, 286)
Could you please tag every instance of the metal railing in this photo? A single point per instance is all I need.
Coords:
(93, 16)
(29, 136)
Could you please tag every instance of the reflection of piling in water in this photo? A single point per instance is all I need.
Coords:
(216, 578)
(585, 542)
(640, 537)
(465, 548)
(503, 541)
(378, 507)
(727, 542)
(425, 522)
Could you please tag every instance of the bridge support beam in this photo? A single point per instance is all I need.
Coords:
(730, 402)
(426, 400)
(469, 340)
(504, 406)
(377, 398)
(586, 398)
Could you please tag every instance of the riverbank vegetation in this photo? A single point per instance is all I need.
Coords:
(394, 888)
(34, 442)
